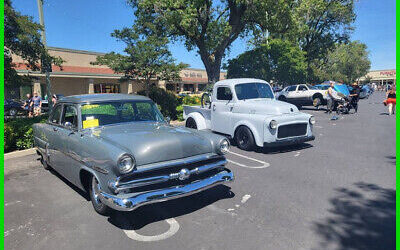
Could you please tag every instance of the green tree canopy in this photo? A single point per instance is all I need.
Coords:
(147, 58)
(22, 38)
(279, 61)
(211, 26)
(347, 62)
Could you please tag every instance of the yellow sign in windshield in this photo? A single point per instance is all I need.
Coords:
(91, 123)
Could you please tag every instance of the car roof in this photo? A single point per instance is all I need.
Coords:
(233, 82)
(101, 98)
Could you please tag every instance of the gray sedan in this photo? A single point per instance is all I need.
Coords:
(120, 149)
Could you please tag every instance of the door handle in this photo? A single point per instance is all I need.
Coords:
(55, 129)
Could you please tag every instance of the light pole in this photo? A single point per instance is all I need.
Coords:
(46, 64)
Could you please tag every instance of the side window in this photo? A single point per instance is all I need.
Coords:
(224, 93)
(302, 87)
(70, 115)
(291, 88)
(55, 115)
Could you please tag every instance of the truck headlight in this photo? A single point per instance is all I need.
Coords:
(224, 146)
(273, 124)
(312, 120)
(126, 163)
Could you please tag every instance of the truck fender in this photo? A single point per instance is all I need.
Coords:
(199, 119)
(257, 137)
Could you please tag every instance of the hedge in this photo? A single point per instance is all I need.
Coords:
(18, 133)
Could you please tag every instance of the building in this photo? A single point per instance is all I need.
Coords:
(380, 77)
(78, 76)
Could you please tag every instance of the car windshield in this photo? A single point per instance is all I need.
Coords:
(100, 114)
(253, 90)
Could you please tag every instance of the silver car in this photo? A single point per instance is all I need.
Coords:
(121, 150)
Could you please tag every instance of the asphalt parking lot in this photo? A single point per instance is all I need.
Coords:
(337, 192)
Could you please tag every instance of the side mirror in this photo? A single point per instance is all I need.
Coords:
(68, 125)
(168, 119)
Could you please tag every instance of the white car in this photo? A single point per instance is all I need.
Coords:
(303, 95)
(246, 110)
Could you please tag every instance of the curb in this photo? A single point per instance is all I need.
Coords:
(19, 153)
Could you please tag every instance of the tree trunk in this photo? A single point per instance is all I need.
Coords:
(213, 67)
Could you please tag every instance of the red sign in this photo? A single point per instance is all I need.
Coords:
(388, 73)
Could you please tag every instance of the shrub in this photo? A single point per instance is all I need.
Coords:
(18, 133)
(164, 99)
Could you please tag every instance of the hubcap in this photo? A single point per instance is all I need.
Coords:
(243, 138)
(95, 191)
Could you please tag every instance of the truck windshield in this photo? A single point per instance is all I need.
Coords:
(100, 114)
(253, 90)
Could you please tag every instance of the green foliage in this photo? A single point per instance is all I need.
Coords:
(280, 61)
(210, 26)
(18, 133)
(147, 58)
(22, 38)
(347, 62)
(165, 100)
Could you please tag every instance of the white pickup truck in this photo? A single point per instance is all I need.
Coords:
(246, 110)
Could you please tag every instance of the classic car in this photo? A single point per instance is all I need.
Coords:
(12, 108)
(246, 110)
(302, 95)
(121, 150)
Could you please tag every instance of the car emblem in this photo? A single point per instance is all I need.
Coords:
(184, 174)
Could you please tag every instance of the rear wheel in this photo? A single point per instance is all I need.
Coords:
(191, 123)
(244, 138)
(317, 101)
(94, 191)
(44, 162)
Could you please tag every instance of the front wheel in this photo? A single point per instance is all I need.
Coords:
(244, 138)
(95, 197)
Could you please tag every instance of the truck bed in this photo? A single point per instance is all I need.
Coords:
(206, 112)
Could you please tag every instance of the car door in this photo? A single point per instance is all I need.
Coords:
(52, 147)
(291, 93)
(69, 137)
(221, 109)
(302, 93)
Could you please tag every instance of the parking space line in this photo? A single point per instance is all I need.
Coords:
(265, 164)
(173, 229)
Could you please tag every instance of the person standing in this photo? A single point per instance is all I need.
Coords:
(36, 104)
(391, 100)
(330, 98)
(27, 105)
(355, 96)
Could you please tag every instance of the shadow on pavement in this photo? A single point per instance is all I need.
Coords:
(363, 217)
(283, 149)
(151, 213)
(71, 185)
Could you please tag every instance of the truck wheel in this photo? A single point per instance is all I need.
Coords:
(244, 138)
(191, 123)
(94, 191)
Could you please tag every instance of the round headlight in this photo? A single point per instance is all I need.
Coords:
(273, 124)
(312, 120)
(125, 164)
(224, 146)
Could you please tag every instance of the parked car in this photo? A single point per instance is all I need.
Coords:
(12, 108)
(303, 95)
(366, 91)
(121, 150)
(247, 111)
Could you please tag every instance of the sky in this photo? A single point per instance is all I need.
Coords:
(87, 25)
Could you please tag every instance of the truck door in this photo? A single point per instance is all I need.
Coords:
(221, 109)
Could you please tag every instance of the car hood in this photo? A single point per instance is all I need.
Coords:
(155, 142)
(264, 107)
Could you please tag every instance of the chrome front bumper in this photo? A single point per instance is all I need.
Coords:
(128, 203)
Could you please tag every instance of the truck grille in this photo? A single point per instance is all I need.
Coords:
(291, 130)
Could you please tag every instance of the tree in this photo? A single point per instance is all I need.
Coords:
(210, 26)
(279, 61)
(319, 26)
(22, 38)
(147, 58)
(347, 62)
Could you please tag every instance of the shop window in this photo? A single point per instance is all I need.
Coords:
(107, 88)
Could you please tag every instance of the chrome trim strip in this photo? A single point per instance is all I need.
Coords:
(118, 187)
(135, 201)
